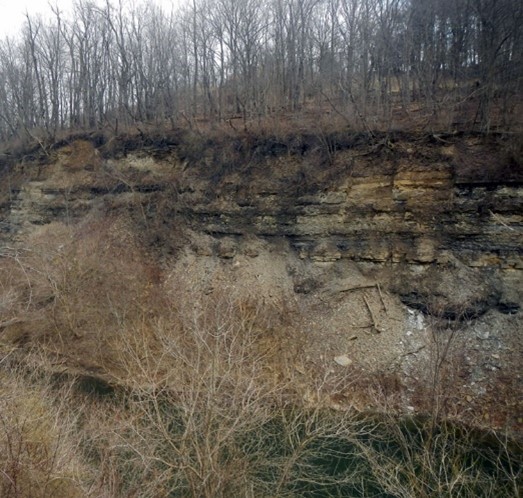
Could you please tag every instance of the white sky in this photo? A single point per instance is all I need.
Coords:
(12, 12)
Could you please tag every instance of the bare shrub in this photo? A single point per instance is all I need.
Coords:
(37, 447)
(199, 387)
(76, 287)
(413, 458)
(207, 416)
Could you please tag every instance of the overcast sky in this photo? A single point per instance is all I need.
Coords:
(12, 12)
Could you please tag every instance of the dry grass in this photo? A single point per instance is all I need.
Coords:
(38, 446)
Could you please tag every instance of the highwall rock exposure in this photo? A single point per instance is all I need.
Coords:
(398, 261)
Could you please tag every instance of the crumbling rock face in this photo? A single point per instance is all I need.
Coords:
(445, 239)
(372, 251)
(447, 247)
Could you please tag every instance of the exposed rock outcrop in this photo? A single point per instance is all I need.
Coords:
(352, 237)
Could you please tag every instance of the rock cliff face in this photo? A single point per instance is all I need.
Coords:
(409, 213)
(410, 237)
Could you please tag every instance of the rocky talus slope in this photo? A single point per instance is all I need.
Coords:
(399, 263)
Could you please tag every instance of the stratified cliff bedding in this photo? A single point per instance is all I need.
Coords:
(383, 253)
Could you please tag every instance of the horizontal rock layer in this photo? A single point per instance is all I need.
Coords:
(398, 209)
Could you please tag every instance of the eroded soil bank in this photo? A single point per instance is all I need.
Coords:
(388, 269)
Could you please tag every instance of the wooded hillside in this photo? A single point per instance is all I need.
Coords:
(373, 64)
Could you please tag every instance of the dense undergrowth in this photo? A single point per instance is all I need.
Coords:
(118, 379)
(153, 442)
